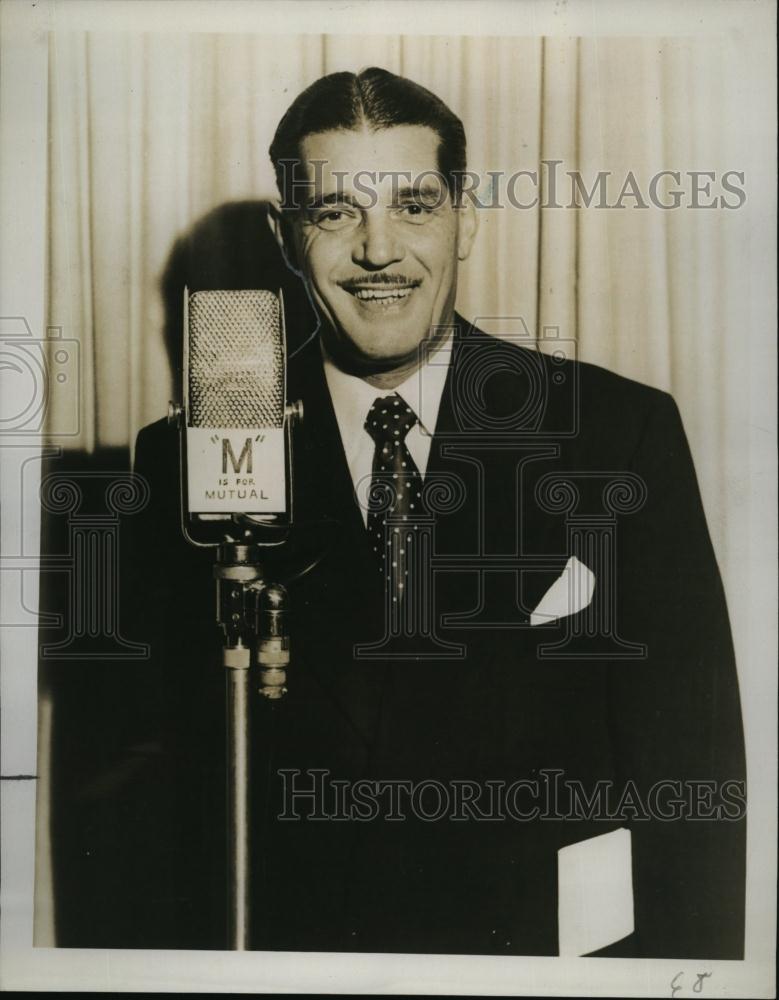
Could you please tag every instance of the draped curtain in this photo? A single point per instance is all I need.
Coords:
(149, 132)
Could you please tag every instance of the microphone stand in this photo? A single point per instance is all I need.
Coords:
(251, 611)
(253, 617)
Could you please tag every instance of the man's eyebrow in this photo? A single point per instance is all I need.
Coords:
(333, 198)
(419, 191)
(425, 191)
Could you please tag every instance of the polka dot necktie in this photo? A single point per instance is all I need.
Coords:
(396, 485)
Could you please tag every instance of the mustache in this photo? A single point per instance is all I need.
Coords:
(380, 278)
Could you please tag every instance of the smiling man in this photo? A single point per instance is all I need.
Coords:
(513, 721)
(381, 260)
(373, 218)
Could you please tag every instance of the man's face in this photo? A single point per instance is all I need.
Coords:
(379, 241)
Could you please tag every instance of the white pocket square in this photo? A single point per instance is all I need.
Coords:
(595, 892)
(571, 591)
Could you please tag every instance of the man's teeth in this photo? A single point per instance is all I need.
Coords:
(382, 294)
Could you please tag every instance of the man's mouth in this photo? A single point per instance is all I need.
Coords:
(381, 293)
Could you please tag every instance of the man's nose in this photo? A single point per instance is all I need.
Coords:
(377, 244)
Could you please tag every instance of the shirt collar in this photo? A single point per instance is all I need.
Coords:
(352, 396)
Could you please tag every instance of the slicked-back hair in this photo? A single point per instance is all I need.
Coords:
(375, 99)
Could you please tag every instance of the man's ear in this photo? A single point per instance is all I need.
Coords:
(467, 227)
(281, 228)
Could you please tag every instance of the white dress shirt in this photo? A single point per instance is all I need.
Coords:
(353, 397)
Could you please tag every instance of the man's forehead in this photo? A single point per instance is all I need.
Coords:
(349, 160)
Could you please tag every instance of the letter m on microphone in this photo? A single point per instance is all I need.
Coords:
(237, 463)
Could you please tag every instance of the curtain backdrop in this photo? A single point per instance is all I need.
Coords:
(148, 133)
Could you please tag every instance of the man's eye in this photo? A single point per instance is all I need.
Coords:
(416, 213)
(333, 219)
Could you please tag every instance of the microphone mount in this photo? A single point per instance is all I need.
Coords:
(253, 615)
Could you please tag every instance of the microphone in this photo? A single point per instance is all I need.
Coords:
(235, 427)
(235, 454)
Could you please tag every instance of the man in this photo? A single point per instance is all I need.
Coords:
(515, 611)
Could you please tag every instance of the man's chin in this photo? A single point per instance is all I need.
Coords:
(373, 363)
(383, 350)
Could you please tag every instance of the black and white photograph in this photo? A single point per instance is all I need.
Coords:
(388, 434)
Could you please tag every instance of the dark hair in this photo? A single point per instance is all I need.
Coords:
(377, 99)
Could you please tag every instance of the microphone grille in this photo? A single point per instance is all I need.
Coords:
(235, 359)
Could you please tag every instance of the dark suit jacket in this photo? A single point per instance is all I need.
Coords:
(510, 421)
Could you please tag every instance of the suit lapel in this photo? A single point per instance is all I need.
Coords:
(323, 485)
(347, 577)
